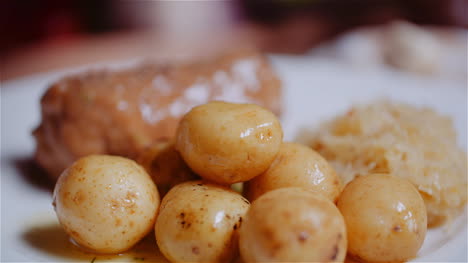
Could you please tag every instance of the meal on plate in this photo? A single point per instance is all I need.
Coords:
(398, 139)
(120, 113)
(366, 187)
(299, 208)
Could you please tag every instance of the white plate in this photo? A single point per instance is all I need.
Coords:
(315, 89)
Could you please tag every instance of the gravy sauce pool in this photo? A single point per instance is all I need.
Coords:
(44, 234)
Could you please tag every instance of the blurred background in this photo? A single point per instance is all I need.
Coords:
(421, 36)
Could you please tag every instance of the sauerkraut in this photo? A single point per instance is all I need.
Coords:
(398, 139)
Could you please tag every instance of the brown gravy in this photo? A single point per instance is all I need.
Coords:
(48, 237)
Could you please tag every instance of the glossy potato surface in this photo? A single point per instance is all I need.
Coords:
(296, 165)
(293, 225)
(165, 166)
(385, 217)
(227, 142)
(106, 203)
(199, 222)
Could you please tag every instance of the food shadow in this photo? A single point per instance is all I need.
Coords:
(33, 174)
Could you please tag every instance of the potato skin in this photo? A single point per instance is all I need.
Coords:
(199, 222)
(385, 217)
(165, 166)
(227, 142)
(296, 165)
(293, 225)
(106, 203)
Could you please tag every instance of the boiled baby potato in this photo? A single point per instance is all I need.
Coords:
(165, 166)
(293, 225)
(198, 222)
(106, 203)
(385, 218)
(227, 142)
(296, 165)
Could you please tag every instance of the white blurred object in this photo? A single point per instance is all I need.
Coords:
(405, 46)
(181, 20)
(361, 49)
(177, 20)
(412, 48)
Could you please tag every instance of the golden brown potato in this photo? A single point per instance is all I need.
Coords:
(296, 165)
(106, 203)
(198, 222)
(385, 217)
(165, 166)
(293, 225)
(228, 142)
